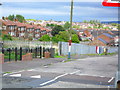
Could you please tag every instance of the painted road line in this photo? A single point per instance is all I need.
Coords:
(15, 75)
(31, 70)
(110, 79)
(53, 79)
(75, 72)
(91, 75)
(37, 76)
(5, 74)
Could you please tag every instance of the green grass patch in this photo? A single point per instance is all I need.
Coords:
(7, 72)
(100, 54)
(59, 56)
(12, 55)
(69, 60)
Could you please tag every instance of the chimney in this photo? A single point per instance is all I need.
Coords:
(15, 20)
(3, 18)
(6, 18)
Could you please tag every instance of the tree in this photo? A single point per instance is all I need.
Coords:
(11, 17)
(85, 21)
(63, 35)
(75, 38)
(7, 37)
(20, 18)
(67, 25)
(57, 29)
(56, 39)
(45, 38)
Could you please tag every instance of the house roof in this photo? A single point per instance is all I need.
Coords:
(105, 38)
(7, 22)
(29, 26)
(36, 27)
(87, 33)
(20, 24)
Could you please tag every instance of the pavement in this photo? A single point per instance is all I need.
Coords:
(89, 72)
(22, 65)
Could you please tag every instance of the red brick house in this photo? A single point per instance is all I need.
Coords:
(105, 39)
(8, 27)
(23, 30)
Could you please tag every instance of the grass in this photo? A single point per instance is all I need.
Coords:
(7, 72)
(56, 56)
(100, 54)
(6, 55)
(70, 60)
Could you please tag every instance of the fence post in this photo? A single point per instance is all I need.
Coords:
(9, 50)
(40, 52)
(26, 50)
(20, 53)
(43, 51)
(36, 52)
(3, 50)
(16, 54)
(31, 50)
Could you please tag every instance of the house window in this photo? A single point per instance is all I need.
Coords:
(22, 28)
(21, 34)
(4, 27)
(28, 30)
(19, 28)
(37, 30)
(37, 35)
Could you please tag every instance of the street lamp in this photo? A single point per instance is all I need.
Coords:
(70, 36)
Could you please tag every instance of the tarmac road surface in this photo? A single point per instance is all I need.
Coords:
(94, 72)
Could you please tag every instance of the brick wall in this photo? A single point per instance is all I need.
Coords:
(27, 57)
(1, 58)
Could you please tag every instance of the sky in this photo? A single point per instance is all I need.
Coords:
(60, 10)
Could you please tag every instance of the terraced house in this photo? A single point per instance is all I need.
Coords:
(23, 30)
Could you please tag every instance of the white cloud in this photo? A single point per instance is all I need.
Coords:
(78, 10)
(51, 0)
(32, 11)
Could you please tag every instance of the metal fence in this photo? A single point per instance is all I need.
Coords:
(30, 44)
(15, 54)
(81, 49)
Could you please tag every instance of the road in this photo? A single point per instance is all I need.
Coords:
(93, 72)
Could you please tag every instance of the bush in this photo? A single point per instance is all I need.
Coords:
(57, 29)
(45, 38)
(7, 37)
(75, 38)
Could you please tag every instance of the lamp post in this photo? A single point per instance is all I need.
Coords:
(70, 36)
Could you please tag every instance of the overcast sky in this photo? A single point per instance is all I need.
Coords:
(58, 10)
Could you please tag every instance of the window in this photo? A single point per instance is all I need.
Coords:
(28, 30)
(19, 28)
(37, 35)
(21, 34)
(22, 28)
(4, 27)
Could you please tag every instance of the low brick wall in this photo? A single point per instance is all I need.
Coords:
(1, 58)
(27, 57)
(47, 54)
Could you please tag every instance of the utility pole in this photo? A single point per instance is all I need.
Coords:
(70, 36)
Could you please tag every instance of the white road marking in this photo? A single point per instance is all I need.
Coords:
(16, 75)
(53, 79)
(31, 70)
(13, 73)
(58, 77)
(75, 72)
(110, 79)
(92, 75)
(37, 76)
(5, 74)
